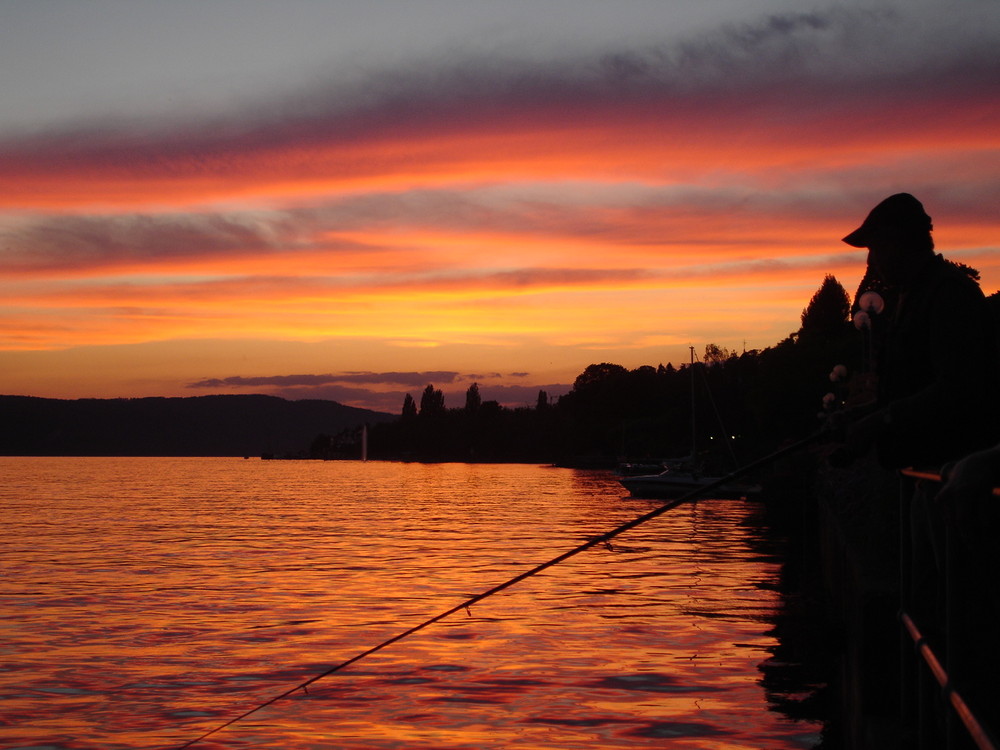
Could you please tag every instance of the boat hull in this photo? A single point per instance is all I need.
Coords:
(669, 485)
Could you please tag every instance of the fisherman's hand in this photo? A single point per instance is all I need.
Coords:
(835, 424)
(858, 431)
(841, 457)
(862, 434)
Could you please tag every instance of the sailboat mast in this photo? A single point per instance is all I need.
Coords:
(694, 434)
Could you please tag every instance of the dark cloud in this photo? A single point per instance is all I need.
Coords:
(413, 379)
(238, 381)
(476, 377)
(72, 242)
(54, 242)
(416, 379)
(852, 48)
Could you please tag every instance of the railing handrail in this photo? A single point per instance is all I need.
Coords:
(977, 732)
(934, 476)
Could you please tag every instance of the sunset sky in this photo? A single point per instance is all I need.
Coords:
(351, 200)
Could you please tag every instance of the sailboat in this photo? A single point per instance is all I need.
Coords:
(680, 476)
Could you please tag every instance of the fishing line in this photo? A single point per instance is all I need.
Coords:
(592, 542)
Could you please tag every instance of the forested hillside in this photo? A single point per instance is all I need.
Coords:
(199, 426)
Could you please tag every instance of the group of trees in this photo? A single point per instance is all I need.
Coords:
(744, 402)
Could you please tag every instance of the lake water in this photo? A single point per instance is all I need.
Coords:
(146, 601)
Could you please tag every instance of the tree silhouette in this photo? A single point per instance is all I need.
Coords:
(828, 310)
(972, 273)
(409, 407)
(431, 402)
(715, 354)
(598, 375)
(472, 399)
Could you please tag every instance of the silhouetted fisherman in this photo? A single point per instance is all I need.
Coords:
(938, 368)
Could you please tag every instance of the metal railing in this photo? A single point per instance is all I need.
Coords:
(939, 637)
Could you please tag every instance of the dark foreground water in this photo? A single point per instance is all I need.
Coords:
(144, 602)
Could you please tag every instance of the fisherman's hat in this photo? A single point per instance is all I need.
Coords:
(901, 210)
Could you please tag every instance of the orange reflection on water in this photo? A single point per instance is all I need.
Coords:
(155, 599)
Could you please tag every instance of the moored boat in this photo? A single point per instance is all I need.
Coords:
(680, 476)
(670, 484)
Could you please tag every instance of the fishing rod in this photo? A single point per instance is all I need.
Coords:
(592, 542)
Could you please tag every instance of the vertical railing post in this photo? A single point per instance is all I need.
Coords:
(907, 664)
(961, 634)
(951, 620)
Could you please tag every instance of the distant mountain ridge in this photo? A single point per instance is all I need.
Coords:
(228, 425)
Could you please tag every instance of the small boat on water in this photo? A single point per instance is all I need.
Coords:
(635, 468)
(674, 483)
(677, 477)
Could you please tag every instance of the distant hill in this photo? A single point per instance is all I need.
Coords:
(196, 426)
